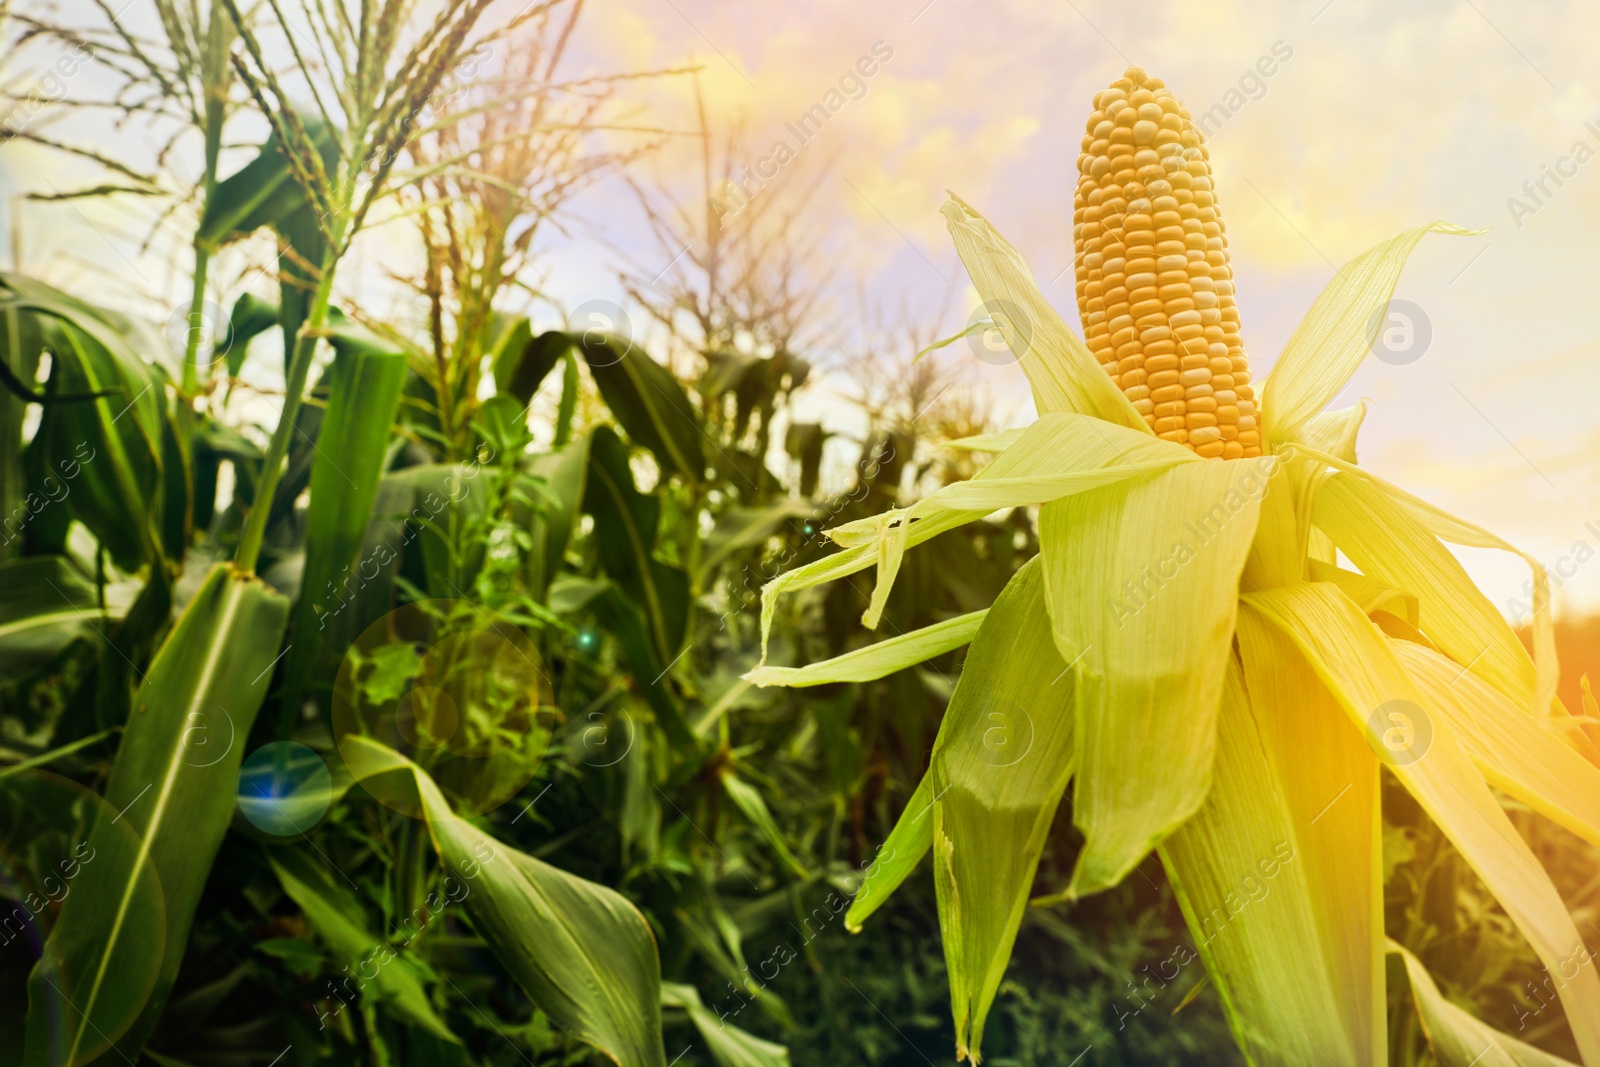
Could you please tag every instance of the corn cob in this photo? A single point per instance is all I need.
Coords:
(1155, 289)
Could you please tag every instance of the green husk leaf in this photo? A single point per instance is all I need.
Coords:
(1142, 581)
(878, 659)
(998, 775)
(899, 855)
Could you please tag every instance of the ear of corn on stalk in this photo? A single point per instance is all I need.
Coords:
(1155, 287)
(1223, 777)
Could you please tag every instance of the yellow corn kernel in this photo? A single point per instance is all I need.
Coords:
(1152, 263)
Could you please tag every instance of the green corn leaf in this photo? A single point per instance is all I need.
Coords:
(22, 341)
(998, 775)
(1142, 581)
(340, 922)
(625, 526)
(804, 441)
(175, 502)
(565, 473)
(623, 618)
(261, 193)
(1279, 872)
(89, 987)
(581, 951)
(109, 448)
(877, 659)
(45, 605)
(520, 362)
(729, 1045)
(748, 799)
(366, 377)
(251, 317)
(1358, 665)
(646, 401)
(1336, 334)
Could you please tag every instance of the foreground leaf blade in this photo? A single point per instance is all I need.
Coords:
(211, 672)
(582, 952)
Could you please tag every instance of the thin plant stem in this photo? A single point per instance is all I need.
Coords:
(255, 525)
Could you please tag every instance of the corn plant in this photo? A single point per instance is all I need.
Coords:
(1188, 657)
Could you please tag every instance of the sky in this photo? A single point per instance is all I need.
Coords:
(1375, 117)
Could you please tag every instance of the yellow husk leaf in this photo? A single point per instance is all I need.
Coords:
(1279, 873)
(1358, 665)
(1336, 334)
(1442, 587)
(1060, 368)
(1524, 757)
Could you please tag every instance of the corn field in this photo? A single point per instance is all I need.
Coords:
(404, 664)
